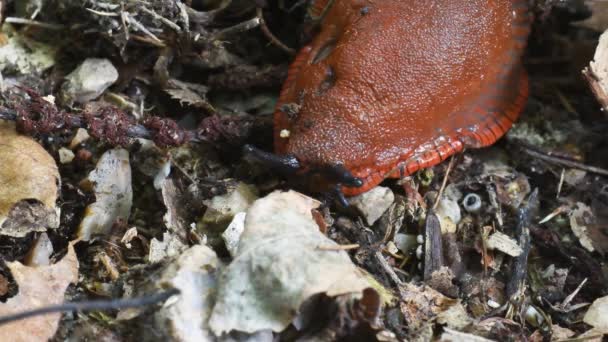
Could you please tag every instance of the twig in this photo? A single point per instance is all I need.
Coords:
(339, 247)
(93, 305)
(240, 27)
(162, 19)
(561, 183)
(24, 21)
(140, 27)
(273, 39)
(444, 183)
(559, 210)
(571, 296)
(388, 269)
(562, 161)
(102, 14)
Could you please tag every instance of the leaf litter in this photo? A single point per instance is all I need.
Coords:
(204, 76)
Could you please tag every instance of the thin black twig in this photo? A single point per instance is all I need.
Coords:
(444, 183)
(93, 305)
(535, 153)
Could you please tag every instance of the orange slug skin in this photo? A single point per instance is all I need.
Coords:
(388, 87)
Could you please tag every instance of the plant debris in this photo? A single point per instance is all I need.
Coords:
(283, 259)
(123, 123)
(38, 286)
(111, 182)
(29, 180)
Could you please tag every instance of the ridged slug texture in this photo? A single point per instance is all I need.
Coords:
(390, 87)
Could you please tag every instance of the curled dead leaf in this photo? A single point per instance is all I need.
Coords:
(29, 181)
(38, 287)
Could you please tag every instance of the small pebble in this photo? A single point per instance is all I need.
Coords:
(406, 243)
(493, 304)
(374, 203)
(419, 252)
(65, 156)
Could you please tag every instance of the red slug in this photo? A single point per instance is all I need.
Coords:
(388, 87)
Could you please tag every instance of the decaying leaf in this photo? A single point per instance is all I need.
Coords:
(28, 185)
(24, 55)
(597, 315)
(504, 243)
(38, 287)
(111, 182)
(422, 303)
(597, 72)
(222, 208)
(177, 217)
(281, 261)
(169, 247)
(188, 93)
(194, 274)
(585, 226)
(455, 317)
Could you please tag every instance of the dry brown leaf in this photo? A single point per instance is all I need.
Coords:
(38, 287)
(597, 314)
(27, 172)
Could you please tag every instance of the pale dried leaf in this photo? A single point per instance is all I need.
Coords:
(560, 333)
(24, 55)
(194, 274)
(597, 72)
(27, 172)
(111, 182)
(222, 208)
(504, 243)
(282, 260)
(169, 247)
(584, 225)
(597, 315)
(38, 287)
(456, 317)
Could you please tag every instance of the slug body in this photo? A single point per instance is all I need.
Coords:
(388, 87)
